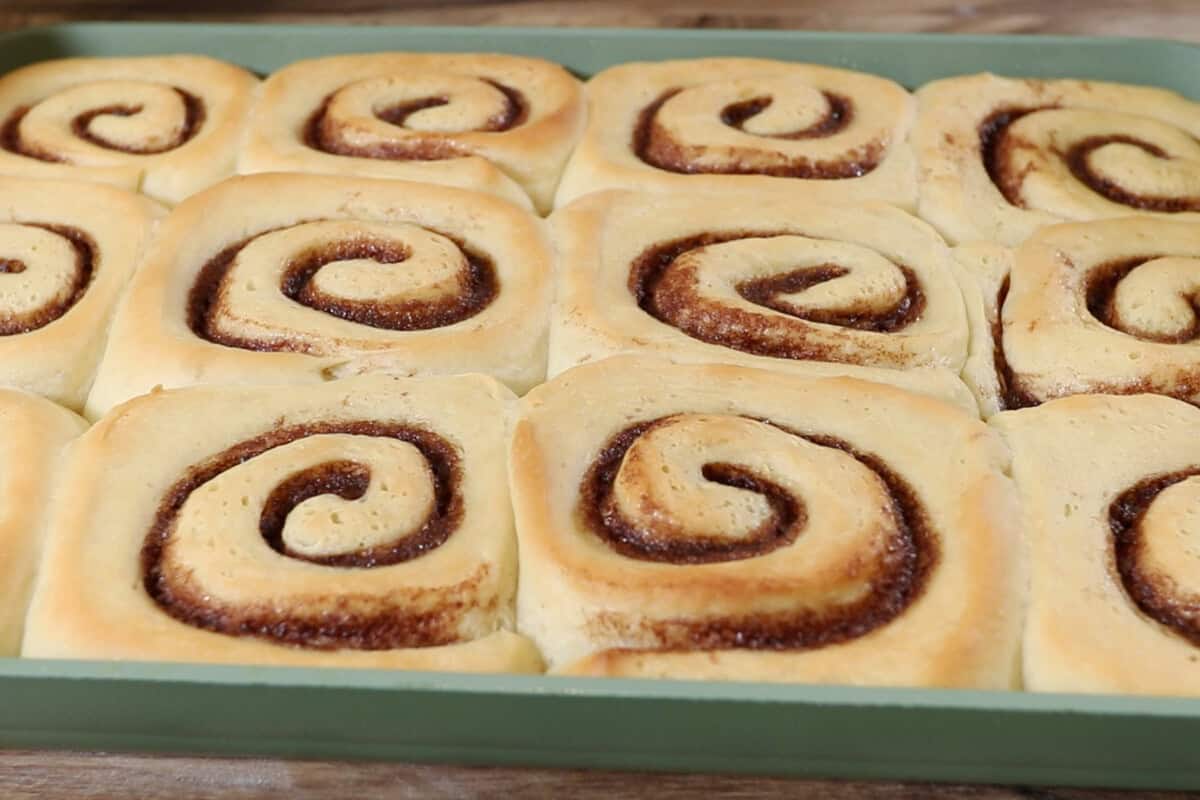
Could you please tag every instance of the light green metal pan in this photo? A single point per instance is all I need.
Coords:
(767, 729)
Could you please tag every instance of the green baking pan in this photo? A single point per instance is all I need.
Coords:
(940, 735)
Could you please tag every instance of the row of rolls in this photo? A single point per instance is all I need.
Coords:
(779, 441)
(804, 378)
(980, 157)
(296, 278)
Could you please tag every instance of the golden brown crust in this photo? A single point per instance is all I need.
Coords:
(474, 120)
(1109, 496)
(721, 124)
(62, 267)
(862, 290)
(1105, 307)
(359, 523)
(35, 433)
(638, 484)
(302, 278)
(999, 158)
(165, 125)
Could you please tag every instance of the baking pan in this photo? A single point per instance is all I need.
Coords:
(941, 735)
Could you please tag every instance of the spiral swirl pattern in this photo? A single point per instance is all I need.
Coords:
(1030, 153)
(387, 276)
(166, 126)
(722, 287)
(1153, 299)
(641, 499)
(745, 123)
(66, 252)
(44, 270)
(1104, 307)
(86, 124)
(292, 278)
(671, 134)
(409, 117)
(400, 474)
(351, 524)
(721, 521)
(762, 280)
(495, 123)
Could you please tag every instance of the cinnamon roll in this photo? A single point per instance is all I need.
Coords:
(723, 522)
(985, 271)
(488, 122)
(1110, 494)
(1097, 307)
(362, 523)
(165, 125)
(66, 251)
(999, 158)
(766, 281)
(304, 278)
(35, 433)
(719, 124)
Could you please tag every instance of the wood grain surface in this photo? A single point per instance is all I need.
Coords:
(24, 776)
(89, 775)
(1168, 18)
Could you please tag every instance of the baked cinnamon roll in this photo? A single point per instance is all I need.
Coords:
(999, 158)
(35, 433)
(1100, 307)
(727, 124)
(1110, 495)
(362, 523)
(165, 125)
(722, 522)
(66, 251)
(497, 123)
(305, 278)
(771, 282)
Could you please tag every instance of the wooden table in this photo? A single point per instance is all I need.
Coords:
(1178, 19)
(86, 775)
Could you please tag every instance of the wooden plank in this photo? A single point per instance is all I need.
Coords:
(76, 775)
(1167, 18)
